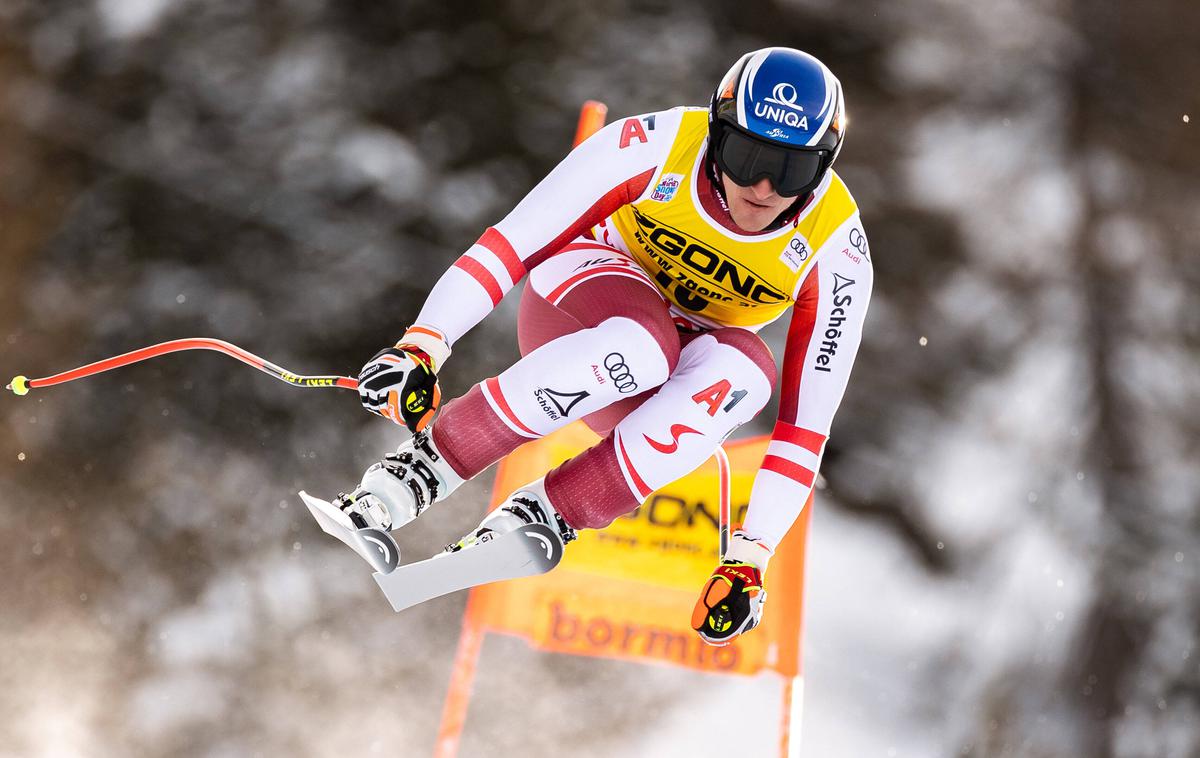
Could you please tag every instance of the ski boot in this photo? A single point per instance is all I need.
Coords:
(392, 493)
(399, 488)
(528, 505)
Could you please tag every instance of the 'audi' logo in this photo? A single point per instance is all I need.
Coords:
(859, 241)
(623, 380)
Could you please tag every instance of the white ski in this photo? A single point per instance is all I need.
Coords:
(531, 549)
(374, 545)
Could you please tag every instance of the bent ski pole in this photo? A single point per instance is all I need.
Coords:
(21, 385)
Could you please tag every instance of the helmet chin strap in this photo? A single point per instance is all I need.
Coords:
(789, 215)
(714, 176)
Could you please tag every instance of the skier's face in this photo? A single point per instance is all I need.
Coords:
(753, 208)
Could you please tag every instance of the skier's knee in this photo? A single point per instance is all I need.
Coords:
(752, 346)
(606, 298)
(654, 334)
(656, 322)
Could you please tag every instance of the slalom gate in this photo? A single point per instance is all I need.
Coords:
(626, 592)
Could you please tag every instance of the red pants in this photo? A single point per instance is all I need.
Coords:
(599, 343)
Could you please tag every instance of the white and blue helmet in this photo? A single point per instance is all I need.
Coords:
(778, 113)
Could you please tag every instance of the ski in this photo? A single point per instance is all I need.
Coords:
(374, 545)
(531, 549)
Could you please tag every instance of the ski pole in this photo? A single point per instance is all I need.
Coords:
(591, 119)
(725, 495)
(20, 385)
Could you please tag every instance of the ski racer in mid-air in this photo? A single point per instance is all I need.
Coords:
(655, 251)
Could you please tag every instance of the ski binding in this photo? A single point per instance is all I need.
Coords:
(530, 549)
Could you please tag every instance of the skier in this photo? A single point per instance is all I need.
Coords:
(655, 250)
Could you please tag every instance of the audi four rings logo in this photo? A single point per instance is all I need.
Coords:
(623, 380)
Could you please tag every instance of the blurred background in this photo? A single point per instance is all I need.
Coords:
(1005, 552)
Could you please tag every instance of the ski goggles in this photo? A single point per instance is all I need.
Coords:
(747, 160)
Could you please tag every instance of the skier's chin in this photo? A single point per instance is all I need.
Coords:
(751, 216)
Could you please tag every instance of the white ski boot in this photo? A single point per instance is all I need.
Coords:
(399, 488)
(528, 505)
(392, 493)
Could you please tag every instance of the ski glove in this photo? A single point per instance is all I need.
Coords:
(730, 603)
(732, 599)
(399, 384)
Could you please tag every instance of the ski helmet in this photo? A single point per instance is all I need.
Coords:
(778, 113)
